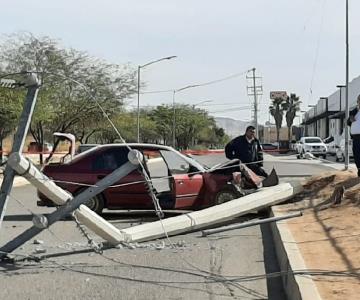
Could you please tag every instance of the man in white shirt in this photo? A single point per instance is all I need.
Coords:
(354, 122)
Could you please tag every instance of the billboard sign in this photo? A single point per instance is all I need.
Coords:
(278, 94)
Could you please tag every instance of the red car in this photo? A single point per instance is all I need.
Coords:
(179, 181)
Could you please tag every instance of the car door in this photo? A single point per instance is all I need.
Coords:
(188, 184)
(130, 191)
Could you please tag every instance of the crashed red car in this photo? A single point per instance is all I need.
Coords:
(179, 181)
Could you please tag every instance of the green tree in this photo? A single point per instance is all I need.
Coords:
(162, 115)
(10, 108)
(276, 109)
(292, 106)
(74, 85)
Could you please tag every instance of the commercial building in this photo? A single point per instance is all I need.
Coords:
(327, 117)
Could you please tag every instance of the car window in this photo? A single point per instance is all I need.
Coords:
(313, 140)
(110, 159)
(176, 164)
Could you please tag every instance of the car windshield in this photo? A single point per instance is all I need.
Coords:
(313, 140)
(175, 161)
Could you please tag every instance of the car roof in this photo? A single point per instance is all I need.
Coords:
(135, 145)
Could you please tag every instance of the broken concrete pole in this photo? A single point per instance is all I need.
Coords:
(265, 197)
(59, 196)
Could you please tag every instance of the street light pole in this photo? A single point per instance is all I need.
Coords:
(138, 90)
(174, 121)
(174, 110)
(138, 105)
(347, 89)
(202, 102)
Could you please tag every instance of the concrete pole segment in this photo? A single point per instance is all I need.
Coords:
(265, 197)
(59, 196)
(72, 205)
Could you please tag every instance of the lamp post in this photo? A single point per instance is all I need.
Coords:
(138, 90)
(202, 102)
(340, 87)
(174, 110)
(347, 85)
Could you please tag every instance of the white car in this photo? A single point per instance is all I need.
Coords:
(340, 151)
(313, 145)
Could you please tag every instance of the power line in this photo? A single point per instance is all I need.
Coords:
(231, 109)
(201, 84)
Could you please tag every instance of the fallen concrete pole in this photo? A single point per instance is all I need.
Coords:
(50, 189)
(251, 223)
(265, 197)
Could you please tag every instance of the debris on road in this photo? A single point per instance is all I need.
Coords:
(38, 242)
(39, 250)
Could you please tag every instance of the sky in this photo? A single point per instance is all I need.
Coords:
(296, 46)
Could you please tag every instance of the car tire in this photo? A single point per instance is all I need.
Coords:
(324, 156)
(337, 159)
(228, 193)
(96, 203)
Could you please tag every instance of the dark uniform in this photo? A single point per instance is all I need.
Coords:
(247, 152)
(356, 140)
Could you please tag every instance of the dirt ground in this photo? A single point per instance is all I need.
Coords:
(328, 234)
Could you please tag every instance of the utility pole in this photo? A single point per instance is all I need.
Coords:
(254, 90)
(347, 89)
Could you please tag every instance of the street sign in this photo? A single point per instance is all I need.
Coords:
(278, 94)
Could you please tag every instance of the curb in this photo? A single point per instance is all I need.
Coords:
(297, 287)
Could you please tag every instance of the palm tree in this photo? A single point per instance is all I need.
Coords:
(292, 106)
(276, 109)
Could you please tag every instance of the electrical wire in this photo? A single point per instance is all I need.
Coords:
(201, 84)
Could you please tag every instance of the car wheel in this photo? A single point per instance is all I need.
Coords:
(95, 203)
(337, 158)
(226, 194)
(324, 156)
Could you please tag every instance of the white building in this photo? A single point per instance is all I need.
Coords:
(327, 117)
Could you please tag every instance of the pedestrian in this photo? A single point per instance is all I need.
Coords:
(354, 123)
(248, 150)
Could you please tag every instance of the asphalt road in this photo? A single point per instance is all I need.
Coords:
(193, 267)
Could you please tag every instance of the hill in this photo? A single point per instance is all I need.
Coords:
(232, 127)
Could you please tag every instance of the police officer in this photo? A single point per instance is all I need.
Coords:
(247, 148)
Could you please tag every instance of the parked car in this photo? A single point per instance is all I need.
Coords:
(340, 151)
(269, 147)
(35, 147)
(313, 145)
(179, 181)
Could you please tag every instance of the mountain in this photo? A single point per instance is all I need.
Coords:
(232, 127)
